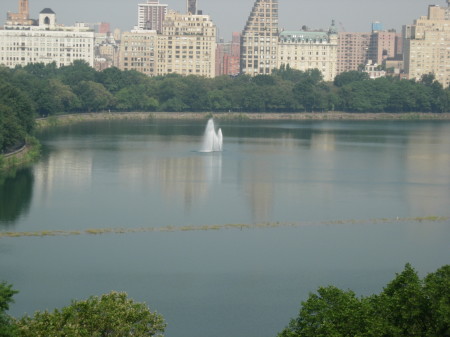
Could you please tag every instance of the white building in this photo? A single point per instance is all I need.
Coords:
(45, 42)
(303, 50)
(374, 70)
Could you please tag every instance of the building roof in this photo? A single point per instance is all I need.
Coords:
(303, 36)
(47, 11)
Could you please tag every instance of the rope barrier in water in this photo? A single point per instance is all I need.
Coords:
(101, 231)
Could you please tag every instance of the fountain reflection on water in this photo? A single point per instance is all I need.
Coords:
(212, 140)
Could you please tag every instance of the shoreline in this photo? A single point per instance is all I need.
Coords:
(9, 162)
(234, 116)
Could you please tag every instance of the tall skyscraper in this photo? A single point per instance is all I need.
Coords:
(427, 45)
(191, 6)
(151, 15)
(260, 39)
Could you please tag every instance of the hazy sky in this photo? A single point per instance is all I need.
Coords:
(231, 15)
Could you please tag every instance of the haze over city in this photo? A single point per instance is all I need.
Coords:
(231, 15)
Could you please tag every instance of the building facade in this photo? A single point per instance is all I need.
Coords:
(383, 46)
(353, 49)
(187, 45)
(138, 51)
(259, 41)
(303, 50)
(228, 56)
(427, 45)
(191, 6)
(22, 18)
(374, 70)
(45, 42)
(151, 15)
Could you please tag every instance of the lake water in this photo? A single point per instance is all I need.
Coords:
(324, 187)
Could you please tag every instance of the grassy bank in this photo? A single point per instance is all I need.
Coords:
(31, 152)
(63, 120)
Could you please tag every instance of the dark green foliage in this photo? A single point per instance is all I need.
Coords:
(46, 90)
(112, 314)
(15, 195)
(7, 328)
(93, 96)
(330, 312)
(407, 306)
(78, 88)
(16, 117)
(350, 77)
(437, 292)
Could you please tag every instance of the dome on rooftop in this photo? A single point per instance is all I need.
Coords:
(47, 11)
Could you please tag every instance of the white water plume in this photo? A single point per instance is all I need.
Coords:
(212, 140)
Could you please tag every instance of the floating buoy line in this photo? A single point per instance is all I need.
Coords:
(102, 231)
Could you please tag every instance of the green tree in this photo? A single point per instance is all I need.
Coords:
(402, 305)
(16, 117)
(330, 312)
(407, 306)
(135, 98)
(41, 70)
(350, 77)
(65, 99)
(76, 73)
(218, 100)
(7, 328)
(112, 315)
(309, 91)
(93, 96)
(437, 291)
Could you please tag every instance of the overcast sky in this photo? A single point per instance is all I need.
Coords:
(231, 15)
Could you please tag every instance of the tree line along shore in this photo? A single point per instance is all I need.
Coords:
(39, 90)
(407, 306)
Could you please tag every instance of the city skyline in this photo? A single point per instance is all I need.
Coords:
(231, 16)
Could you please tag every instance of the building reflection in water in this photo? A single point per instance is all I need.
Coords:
(67, 169)
(188, 179)
(427, 167)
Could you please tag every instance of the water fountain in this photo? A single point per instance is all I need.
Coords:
(212, 140)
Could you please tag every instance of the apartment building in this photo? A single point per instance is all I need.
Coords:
(427, 45)
(151, 15)
(383, 46)
(259, 41)
(228, 56)
(303, 50)
(45, 42)
(187, 45)
(138, 51)
(353, 49)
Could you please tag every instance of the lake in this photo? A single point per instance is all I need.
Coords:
(310, 203)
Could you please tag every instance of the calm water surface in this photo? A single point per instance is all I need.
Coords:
(241, 283)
